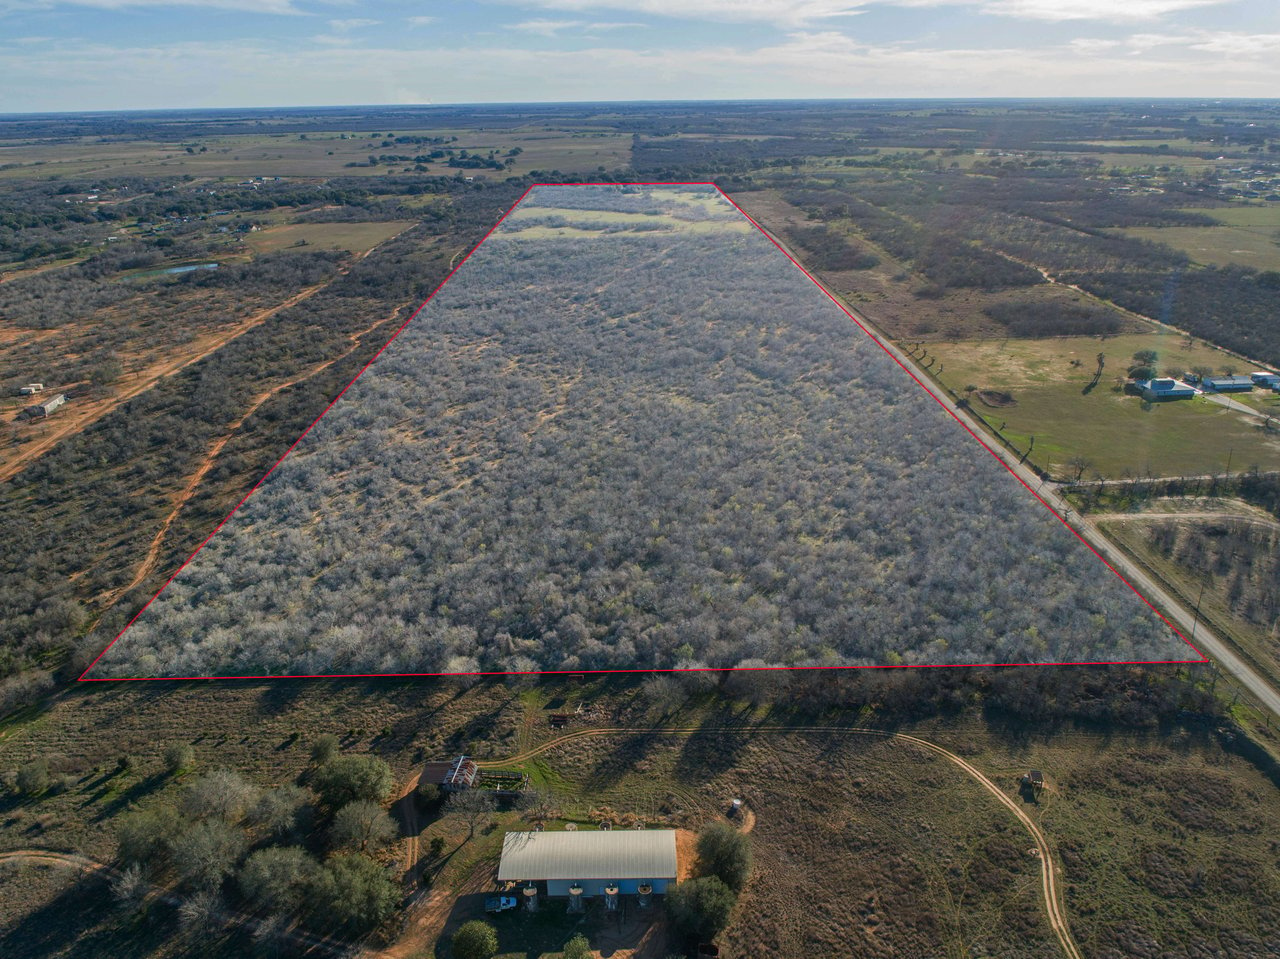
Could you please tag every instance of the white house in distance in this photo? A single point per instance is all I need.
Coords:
(625, 859)
(1164, 388)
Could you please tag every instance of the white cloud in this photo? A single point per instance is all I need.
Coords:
(789, 12)
(545, 28)
(345, 26)
(421, 21)
(798, 64)
(797, 13)
(1238, 44)
(552, 28)
(246, 6)
(1114, 11)
(1090, 46)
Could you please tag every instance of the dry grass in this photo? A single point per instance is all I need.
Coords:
(352, 237)
(861, 845)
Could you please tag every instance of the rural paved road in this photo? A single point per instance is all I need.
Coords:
(1205, 639)
(1054, 906)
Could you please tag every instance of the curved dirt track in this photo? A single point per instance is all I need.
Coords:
(1055, 911)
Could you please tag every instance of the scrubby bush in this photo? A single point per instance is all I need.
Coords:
(346, 779)
(725, 852)
(700, 907)
(475, 940)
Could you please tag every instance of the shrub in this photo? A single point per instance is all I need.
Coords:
(346, 779)
(726, 854)
(360, 825)
(324, 749)
(178, 758)
(475, 940)
(700, 907)
(222, 794)
(428, 792)
(277, 879)
(277, 810)
(207, 853)
(354, 892)
(144, 836)
(33, 777)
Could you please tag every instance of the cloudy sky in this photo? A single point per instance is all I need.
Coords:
(131, 54)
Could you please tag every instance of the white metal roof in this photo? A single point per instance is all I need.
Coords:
(604, 854)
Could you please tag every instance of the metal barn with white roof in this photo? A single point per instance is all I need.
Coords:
(627, 858)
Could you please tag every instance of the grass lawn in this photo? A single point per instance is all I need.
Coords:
(355, 237)
(1116, 433)
(1254, 247)
(1256, 216)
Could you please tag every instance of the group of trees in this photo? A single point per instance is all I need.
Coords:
(1055, 317)
(73, 521)
(701, 907)
(296, 852)
(828, 250)
(940, 253)
(615, 453)
(1237, 558)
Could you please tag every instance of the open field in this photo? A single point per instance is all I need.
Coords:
(1218, 245)
(352, 237)
(1116, 433)
(856, 839)
(1258, 217)
(321, 153)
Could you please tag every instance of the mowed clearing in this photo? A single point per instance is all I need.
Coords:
(1249, 235)
(352, 237)
(1217, 245)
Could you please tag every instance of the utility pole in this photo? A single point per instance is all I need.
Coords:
(1195, 621)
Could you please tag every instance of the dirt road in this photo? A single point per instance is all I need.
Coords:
(1146, 517)
(193, 483)
(73, 418)
(77, 415)
(1055, 911)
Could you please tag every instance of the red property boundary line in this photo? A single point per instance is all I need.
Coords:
(84, 677)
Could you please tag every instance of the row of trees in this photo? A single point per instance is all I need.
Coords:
(940, 253)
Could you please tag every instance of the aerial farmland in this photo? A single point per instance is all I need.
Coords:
(630, 434)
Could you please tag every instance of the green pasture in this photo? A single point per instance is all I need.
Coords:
(1115, 432)
(1254, 247)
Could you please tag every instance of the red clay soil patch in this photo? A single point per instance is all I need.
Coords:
(686, 853)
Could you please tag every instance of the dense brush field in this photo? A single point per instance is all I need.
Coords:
(630, 434)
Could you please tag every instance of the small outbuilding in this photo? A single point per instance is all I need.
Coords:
(40, 410)
(1265, 380)
(459, 774)
(31, 389)
(1164, 388)
(1228, 384)
(622, 860)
